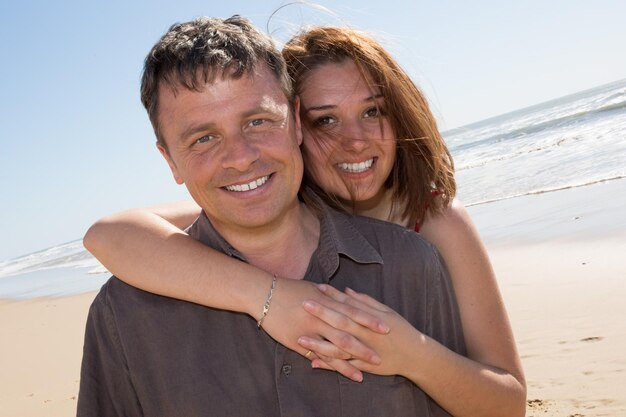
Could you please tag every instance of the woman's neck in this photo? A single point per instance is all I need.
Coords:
(380, 207)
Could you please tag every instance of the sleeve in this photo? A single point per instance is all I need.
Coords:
(443, 317)
(106, 389)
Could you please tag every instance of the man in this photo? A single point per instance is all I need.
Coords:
(227, 124)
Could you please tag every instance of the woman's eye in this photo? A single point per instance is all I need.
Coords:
(374, 112)
(324, 121)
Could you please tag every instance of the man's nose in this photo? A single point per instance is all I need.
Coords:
(241, 152)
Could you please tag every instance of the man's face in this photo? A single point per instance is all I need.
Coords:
(235, 145)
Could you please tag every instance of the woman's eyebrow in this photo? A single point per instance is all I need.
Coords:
(318, 108)
(374, 97)
(332, 106)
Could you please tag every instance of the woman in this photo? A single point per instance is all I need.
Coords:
(371, 146)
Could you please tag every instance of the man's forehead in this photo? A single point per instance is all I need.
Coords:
(198, 80)
(258, 82)
(185, 108)
(240, 95)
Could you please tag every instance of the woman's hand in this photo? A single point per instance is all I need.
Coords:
(395, 348)
(452, 380)
(287, 323)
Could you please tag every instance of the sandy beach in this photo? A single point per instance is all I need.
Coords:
(40, 355)
(560, 261)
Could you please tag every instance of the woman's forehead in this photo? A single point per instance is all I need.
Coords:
(336, 82)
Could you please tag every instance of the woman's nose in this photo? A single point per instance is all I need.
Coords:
(354, 137)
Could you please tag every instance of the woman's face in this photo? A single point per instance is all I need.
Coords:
(349, 146)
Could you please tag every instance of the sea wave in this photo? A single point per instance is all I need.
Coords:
(71, 254)
(563, 121)
(559, 141)
(546, 190)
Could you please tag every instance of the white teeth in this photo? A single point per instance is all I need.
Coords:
(356, 167)
(249, 186)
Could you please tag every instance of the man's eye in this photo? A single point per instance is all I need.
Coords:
(205, 139)
(257, 122)
(324, 121)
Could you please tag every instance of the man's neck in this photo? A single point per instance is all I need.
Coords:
(283, 247)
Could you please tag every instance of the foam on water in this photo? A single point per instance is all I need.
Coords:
(569, 142)
(71, 254)
(61, 270)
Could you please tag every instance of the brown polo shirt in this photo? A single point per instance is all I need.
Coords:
(147, 355)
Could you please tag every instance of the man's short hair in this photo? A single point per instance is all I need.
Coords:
(194, 53)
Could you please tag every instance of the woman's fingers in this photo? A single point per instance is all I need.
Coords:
(328, 351)
(308, 353)
(345, 368)
(323, 353)
(332, 292)
(355, 309)
(322, 361)
(322, 349)
(366, 300)
(340, 334)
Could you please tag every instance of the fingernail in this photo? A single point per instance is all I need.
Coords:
(376, 360)
(350, 290)
(309, 304)
(314, 364)
(383, 328)
(357, 376)
(303, 340)
(322, 287)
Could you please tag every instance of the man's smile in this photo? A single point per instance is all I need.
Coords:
(249, 185)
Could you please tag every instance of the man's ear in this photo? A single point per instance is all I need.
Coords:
(296, 110)
(171, 163)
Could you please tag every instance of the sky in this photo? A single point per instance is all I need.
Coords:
(76, 144)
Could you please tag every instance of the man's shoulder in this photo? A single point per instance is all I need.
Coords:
(115, 293)
(393, 243)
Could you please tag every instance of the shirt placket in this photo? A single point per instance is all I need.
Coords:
(283, 369)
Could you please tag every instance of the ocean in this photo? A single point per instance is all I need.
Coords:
(569, 142)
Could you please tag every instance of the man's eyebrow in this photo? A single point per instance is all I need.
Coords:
(194, 129)
(332, 106)
(261, 108)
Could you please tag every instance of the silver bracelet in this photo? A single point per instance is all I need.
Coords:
(266, 306)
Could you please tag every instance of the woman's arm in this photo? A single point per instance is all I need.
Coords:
(490, 381)
(145, 250)
(486, 327)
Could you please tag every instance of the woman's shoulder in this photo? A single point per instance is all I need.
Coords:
(453, 233)
(453, 219)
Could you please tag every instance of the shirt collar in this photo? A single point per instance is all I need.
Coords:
(338, 236)
(204, 231)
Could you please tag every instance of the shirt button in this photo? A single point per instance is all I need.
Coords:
(286, 369)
